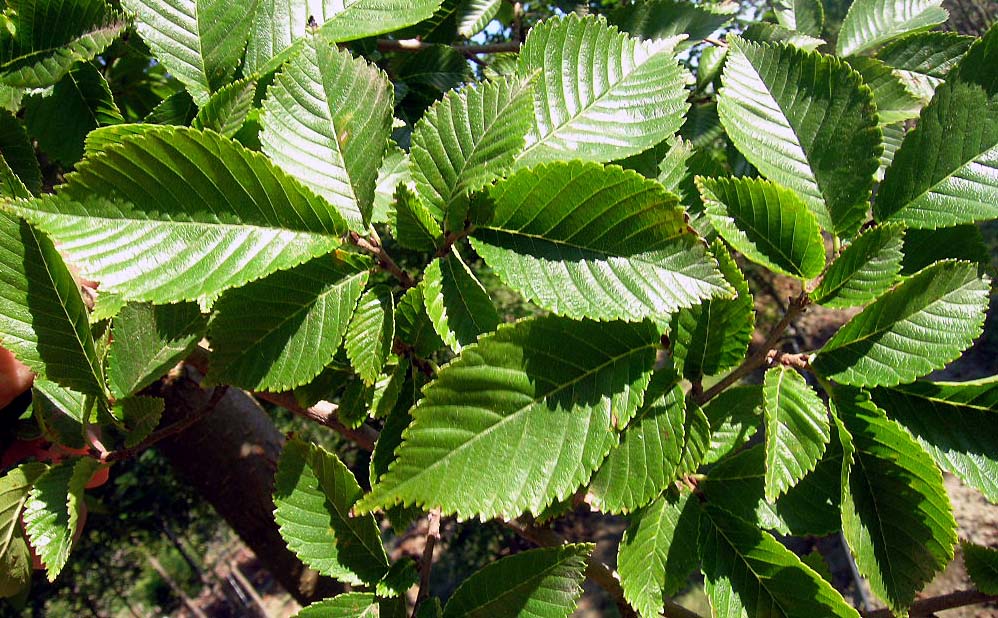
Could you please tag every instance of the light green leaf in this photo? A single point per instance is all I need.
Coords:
(541, 583)
(767, 223)
(226, 110)
(922, 60)
(601, 94)
(78, 104)
(413, 225)
(467, 140)
(871, 23)
(349, 605)
(805, 121)
(895, 103)
(748, 572)
(279, 332)
(586, 241)
(734, 418)
(919, 326)
(796, 429)
(864, 270)
(45, 38)
(43, 320)
(715, 334)
(371, 333)
(456, 302)
(199, 42)
(19, 154)
(15, 558)
(474, 15)
(658, 552)
(149, 340)
(955, 422)
(279, 24)
(537, 400)
(314, 494)
(664, 19)
(394, 170)
(53, 509)
(648, 457)
(762, 32)
(893, 136)
(946, 171)
(896, 515)
(326, 121)
(804, 16)
(176, 214)
(982, 566)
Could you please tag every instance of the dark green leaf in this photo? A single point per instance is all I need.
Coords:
(867, 268)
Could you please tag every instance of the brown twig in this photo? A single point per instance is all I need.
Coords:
(385, 261)
(931, 605)
(185, 423)
(414, 45)
(797, 306)
(426, 563)
(324, 413)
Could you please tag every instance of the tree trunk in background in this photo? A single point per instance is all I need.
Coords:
(972, 17)
(230, 457)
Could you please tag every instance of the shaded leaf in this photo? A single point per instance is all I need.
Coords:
(414, 225)
(227, 110)
(371, 332)
(867, 268)
(734, 418)
(663, 19)
(456, 302)
(15, 558)
(982, 566)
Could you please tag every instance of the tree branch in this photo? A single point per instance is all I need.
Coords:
(931, 605)
(415, 45)
(764, 355)
(385, 261)
(324, 413)
(426, 563)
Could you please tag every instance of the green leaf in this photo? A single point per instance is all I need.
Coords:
(748, 572)
(893, 137)
(664, 19)
(413, 225)
(348, 605)
(715, 334)
(467, 140)
(762, 32)
(60, 413)
(895, 103)
(537, 400)
(177, 109)
(804, 16)
(896, 516)
(921, 61)
(474, 15)
(371, 333)
(658, 552)
(982, 566)
(586, 241)
(867, 268)
(19, 154)
(314, 494)
(413, 326)
(767, 223)
(139, 416)
(946, 171)
(919, 326)
(545, 583)
(226, 110)
(696, 439)
(734, 418)
(394, 170)
(805, 121)
(796, 429)
(326, 121)
(978, 66)
(199, 42)
(456, 302)
(43, 320)
(15, 558)
(871, 23)
(149, 340)
(53, 510)
(925, 247)
(811, 507)
(45, 38)
(955, 422)
(601, 94)
(279, 24)
(78, 104)
(176, 214)
(648, 457)
(279, 332)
